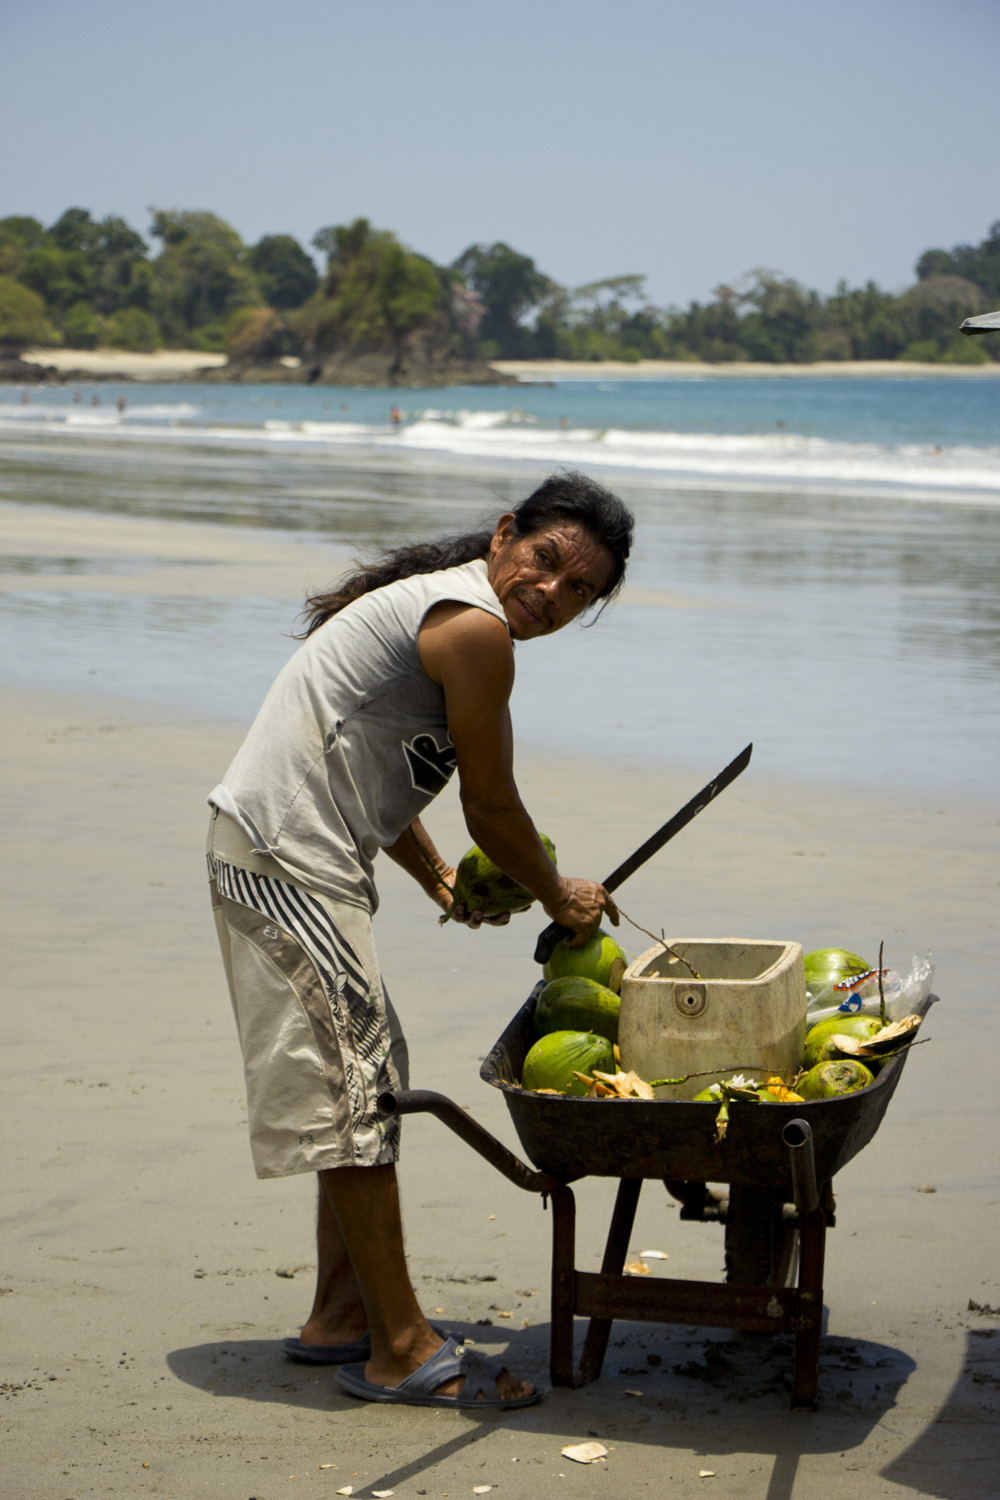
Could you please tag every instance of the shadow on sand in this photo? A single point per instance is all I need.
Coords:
(957, 1455)
(682, 1390)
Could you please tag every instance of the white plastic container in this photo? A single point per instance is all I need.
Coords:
(744, 1013)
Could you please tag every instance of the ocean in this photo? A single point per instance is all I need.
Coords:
(817, 561)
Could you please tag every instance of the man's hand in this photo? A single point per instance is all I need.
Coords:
(416, 854)
(443, 895)
(580, 907)
(475, 919)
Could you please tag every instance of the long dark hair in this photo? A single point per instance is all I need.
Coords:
(566, 496)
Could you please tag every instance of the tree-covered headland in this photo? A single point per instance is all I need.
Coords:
(193, 283)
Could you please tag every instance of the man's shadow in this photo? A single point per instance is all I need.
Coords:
(679, 1389)
(957, 1455)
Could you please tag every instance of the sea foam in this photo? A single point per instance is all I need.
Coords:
(786, 459)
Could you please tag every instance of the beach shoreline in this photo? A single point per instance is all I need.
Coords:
(665, 369)
(173, 365)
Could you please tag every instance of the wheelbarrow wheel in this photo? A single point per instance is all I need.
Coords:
(761, 1244)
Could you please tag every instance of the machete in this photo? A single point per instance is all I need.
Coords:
(555, 932)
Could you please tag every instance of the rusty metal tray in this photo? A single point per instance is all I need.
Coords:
(572, 1138)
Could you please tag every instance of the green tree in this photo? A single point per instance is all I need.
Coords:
(201, 276)
(22, 317)
(131, 328)
(285, 273)
(780, 326)
(19, 235)
(711, 331)
(979, 264)
(376, 293)
(74, 230)
(60, 277)
(122, 274)
(930, 314)
(81, 327)
(511, 288)
(594, 321)
(860, 323)
(87, 270)
(256, 333)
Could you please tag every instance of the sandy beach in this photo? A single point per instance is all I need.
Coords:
(139, 1355)
(678, 369)
(175, 364)
(161, 364)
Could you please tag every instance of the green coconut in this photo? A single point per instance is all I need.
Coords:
(577, 1004)
(600, 958)
(830, 1080)
(555, 1059)
(826, 966)
(481, 885)
(820, 1046)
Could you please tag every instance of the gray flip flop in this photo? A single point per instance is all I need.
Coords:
(335, 1354)
(327, 1354)
(419, 1389)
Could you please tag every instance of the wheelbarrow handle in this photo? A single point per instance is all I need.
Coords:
(425, 1101)
(798, 1137)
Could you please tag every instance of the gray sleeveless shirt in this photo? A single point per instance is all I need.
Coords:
(352, 741)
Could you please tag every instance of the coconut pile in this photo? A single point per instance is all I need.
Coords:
(577, 1011)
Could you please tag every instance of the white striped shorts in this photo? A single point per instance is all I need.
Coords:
(320, 1039)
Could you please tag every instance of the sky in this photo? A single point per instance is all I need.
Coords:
(690, 141)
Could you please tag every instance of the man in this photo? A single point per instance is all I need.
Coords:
(404, 676)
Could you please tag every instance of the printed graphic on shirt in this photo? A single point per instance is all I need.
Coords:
(430, 764)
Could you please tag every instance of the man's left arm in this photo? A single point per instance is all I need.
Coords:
(415, 853)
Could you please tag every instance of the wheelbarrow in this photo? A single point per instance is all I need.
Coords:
(778, 1161)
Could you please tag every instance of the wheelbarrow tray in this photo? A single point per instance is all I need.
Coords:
(571, 1137)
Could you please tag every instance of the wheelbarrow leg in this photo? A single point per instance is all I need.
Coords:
(596, 1343)
(563, 1285)
(809, 1323)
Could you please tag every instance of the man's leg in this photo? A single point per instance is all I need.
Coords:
(365, 1204)
(338, 1315)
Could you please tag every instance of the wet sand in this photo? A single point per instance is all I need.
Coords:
(148, 1277)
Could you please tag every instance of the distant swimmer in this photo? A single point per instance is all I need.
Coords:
(95, 399)
(120, 403)
(395, 416)
(564, 422)
(25, 398)
(779, 424)
(76, 397)
(936, 451)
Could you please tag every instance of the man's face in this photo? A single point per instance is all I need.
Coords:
(544, 580)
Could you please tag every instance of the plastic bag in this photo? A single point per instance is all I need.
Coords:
(860, 997)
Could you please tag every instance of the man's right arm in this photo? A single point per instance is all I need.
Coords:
(469, 652)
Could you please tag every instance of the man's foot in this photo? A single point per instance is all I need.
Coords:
(329, 1332)
(326, 1354)
(333, 1343)
(451, 1376)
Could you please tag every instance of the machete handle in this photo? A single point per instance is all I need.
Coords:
(547, 940)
